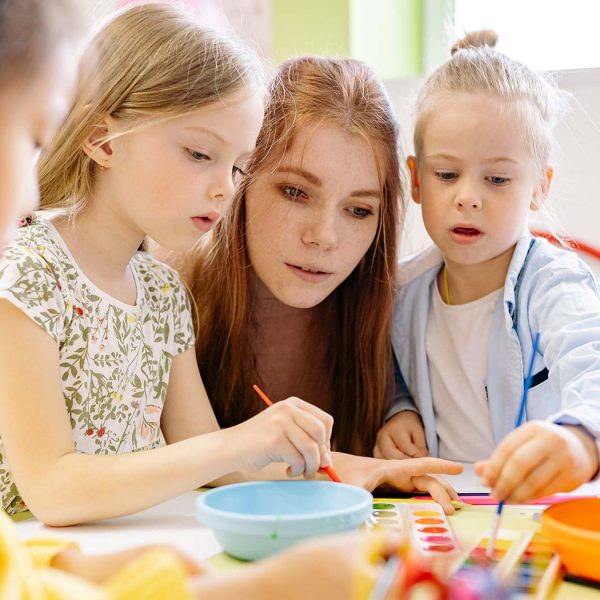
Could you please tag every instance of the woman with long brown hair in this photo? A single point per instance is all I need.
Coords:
(294, 288)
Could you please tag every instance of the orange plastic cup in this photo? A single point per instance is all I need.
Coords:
(573, 528)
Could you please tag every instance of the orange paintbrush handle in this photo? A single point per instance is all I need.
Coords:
(329, 470)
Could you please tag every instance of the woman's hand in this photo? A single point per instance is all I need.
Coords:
(402, 436)
(539, 459)
(408, 475)
(291, 431)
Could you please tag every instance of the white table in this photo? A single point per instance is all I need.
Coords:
(173, 522)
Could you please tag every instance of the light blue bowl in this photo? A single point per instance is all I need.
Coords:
(257, 519)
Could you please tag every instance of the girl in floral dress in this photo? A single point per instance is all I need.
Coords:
(97, 357)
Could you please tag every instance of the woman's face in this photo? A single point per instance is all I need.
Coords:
(310, 221)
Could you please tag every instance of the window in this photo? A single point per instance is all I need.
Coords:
(544, 34)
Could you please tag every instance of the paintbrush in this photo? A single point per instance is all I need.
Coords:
(492, 541)
(329, 470)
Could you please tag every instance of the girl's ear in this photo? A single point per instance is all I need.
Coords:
(543, 190)
(415, 188)
(99, 151)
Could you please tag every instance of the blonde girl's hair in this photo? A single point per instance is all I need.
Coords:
(29, 30)
(149, 62)
(476, 67)
(307, 92)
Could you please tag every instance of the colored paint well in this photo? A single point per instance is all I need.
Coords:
(437, 538)
(384, 521)
(429, 521)
(426, 513)
(440, 548)
(499, 544)
(383, 505)
(383, 513)
(433, 530)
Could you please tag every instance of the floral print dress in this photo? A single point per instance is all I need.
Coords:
(115, 358)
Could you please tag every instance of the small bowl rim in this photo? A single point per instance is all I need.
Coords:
(209, 510)
(565, 528)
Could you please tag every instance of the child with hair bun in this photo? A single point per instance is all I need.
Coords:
(468, 310)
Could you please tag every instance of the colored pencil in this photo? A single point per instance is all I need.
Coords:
(329, 470)
(520, 417)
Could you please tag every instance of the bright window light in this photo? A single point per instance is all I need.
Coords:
(544, 34)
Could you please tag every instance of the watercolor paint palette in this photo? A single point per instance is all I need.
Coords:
(425, 522)
(508, 545)
(524, 561)
(388, 514)
(535, 571)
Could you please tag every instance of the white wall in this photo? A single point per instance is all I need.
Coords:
(575, 193)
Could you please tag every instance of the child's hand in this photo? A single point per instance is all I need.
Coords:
(401, 437)
(537, 460)
(291, 431)
(408, 475)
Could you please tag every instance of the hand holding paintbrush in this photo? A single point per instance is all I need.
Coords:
(518, 423)
(327, 469)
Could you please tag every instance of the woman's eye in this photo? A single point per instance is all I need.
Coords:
(236, 173)
(293, 192)
(498, 180)
(360, 213)
(446, 175)
(198, 156)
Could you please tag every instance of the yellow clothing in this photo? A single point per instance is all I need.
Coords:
(26, 574)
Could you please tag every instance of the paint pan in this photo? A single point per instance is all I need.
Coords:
(508, 546)
(430, 530)
(535, 572)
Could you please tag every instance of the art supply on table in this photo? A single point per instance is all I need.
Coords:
(430, 530)
(329, 470)
(518, 423)
(480, 499)
(506, 548)
(388, 514)
(573, 528)
(260, 518)
(525, 562)
(536, 571)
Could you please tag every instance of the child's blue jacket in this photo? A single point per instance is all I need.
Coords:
(547, 289)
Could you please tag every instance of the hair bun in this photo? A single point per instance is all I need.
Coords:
(476, 39)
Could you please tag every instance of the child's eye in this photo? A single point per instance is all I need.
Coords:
(293, 192)
(360, 212)
(446, 175)
(197, 156)
(498, 180)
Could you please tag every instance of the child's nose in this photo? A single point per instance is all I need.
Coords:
(222, 187)
(469, 196)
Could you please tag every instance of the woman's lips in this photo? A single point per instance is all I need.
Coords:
(310, 274)
(465, 235)
(205, 221)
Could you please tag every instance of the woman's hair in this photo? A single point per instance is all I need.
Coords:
(150, 62)
(29, 29)
(307, 92)
(476, 67)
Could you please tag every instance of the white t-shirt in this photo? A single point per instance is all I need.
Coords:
(457, 350)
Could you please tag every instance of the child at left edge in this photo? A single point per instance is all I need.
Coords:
(467, 311)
